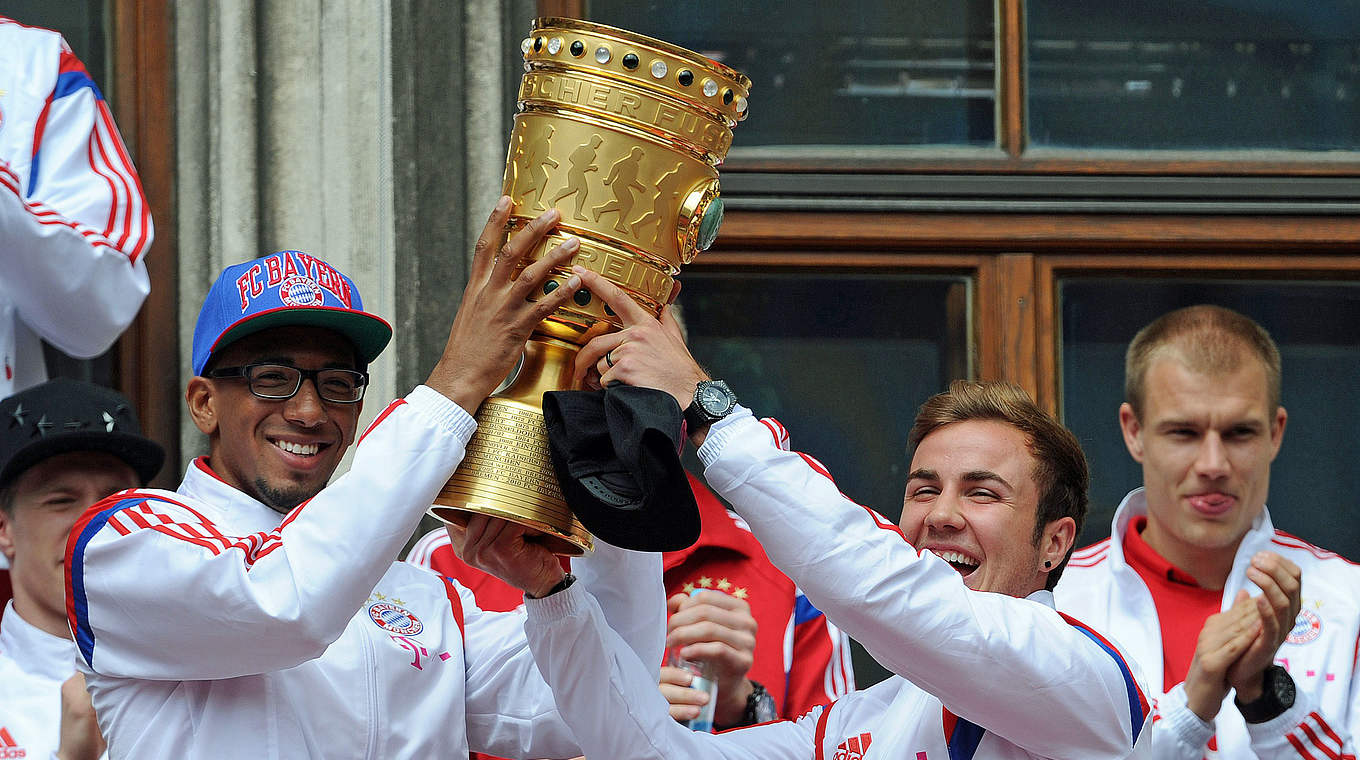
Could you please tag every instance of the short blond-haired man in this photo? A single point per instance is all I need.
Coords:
(1250, 632)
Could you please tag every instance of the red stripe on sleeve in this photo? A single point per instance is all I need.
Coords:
(44, 215)
(69, 62)
(113, 189)
(128, 174)
(268, 549)
(39, 128)
(772, 426)
(1312, 737)
(818, 466)
(455, 602)
(118, 525)
(1299, 748)
(72, 539)
(883, 522)
(1326, 729)
(293, 515)
(820, 736)
(206, 544)
(146, 509)
(138, 520)
(390, 408)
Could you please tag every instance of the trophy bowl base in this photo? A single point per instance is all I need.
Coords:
(507, 470)
(550, 536)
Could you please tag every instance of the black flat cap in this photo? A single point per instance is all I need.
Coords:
(617, 457)
(61, 416)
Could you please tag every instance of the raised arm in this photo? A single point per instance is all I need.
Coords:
(610, 699)
(74, 223)
(138, 560)
(511, 712)
(914, 613)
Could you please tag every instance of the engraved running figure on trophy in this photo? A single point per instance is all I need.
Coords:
(668, 190)
(512, 163)
(622, 176)
(582, 160)
(535, 157)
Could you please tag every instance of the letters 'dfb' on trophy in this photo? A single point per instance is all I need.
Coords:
(623, 135)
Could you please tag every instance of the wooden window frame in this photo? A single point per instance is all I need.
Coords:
(1013, 155)
(147, 370)
(1018, 260)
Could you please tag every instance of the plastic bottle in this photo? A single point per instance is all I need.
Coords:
(703, 681)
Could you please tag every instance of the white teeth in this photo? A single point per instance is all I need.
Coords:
(956, 558)
(303, 449)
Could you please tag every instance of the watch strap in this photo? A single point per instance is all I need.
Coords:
(759, 707)
(562, 585)
(1277, 695)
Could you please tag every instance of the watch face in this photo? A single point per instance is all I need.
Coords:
(714, 399)
(765, 712)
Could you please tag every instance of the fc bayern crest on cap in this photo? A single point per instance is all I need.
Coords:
(399, 620)
(1307, 627)
(301, 290)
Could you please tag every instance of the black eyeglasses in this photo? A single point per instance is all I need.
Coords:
(280, 381)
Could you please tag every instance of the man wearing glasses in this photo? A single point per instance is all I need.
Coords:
(258, 612)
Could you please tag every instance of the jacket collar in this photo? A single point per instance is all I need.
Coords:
(1134, 505)
(231, 510)
(1043, 596)
(34, 650)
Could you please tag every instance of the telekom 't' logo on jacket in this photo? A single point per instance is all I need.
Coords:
(853, 748)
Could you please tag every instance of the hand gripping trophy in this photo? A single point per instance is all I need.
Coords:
(623, 133)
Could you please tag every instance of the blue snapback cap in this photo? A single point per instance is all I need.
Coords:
(283, 289)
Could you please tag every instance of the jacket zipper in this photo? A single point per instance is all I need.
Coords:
(371, 669)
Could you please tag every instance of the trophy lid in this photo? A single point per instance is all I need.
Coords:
(645, 62)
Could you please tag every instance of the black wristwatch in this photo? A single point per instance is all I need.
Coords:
(562, 585)
(759, 707)
(1277, 695)
(713, 400)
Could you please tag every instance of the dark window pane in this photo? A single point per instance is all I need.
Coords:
(861, 72)
(81, 23)
(843, 360)
(1317, 327)
(1177, 75)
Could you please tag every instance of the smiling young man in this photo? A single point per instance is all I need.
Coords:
(64, 445)
(955, 602)
(257, 611)
(1203, 417)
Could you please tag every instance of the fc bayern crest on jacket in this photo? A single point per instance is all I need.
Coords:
(399, 620)
(1307, 627)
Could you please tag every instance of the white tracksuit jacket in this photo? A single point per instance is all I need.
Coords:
(1100, 588)
(210, 626)
(33, 666)
(1023, 681)
(74, 224)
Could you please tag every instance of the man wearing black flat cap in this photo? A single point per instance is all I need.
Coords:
(64, 445)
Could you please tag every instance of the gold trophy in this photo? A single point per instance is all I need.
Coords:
(623, 134)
